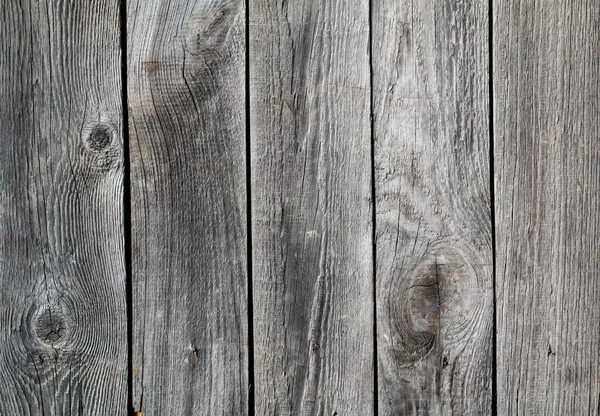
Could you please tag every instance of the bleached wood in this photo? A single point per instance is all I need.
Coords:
(311, 207)
(186, 77)
(434, 229)
(63, 315)
(547, 153)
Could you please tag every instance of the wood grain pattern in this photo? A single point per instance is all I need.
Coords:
(434, 240)
(187, 103)
(311, 207)
(63, 322)
(546, 118)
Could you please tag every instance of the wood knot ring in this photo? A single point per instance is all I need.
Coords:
(100, 137)
(50, 326)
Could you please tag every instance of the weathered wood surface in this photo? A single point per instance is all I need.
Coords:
(547, 155)
(63, 314)
(311, 207)
(433, 209)
(63, 321)
(186, 92)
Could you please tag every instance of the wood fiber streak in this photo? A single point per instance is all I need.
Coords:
(547, 155)
(63, 319)
(311, 207)
(433, 215)
(187, 123)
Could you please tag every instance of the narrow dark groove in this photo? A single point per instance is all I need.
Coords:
(249, 225)
(127, 205)
(374, 218)
(492, 205)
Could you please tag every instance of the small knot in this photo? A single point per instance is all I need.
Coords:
(50, 326)
(100, 137)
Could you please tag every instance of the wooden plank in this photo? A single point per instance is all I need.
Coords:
(546, 130)
(434, 230)
(186, 77)
(311, 208)
(63, 315)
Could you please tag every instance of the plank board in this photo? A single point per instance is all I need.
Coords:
(311, 207)
(186, 77)
(63, 315)
(433, 210)
(547, 155)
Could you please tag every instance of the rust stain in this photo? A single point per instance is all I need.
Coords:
(150, 65)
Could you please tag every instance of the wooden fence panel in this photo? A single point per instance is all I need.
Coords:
(311, 207)
(63, 315)
(186, 77)
(359, 306)
(433, 210)
(547, 155)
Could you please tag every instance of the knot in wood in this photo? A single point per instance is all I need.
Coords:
(100, 137)
(50, 326)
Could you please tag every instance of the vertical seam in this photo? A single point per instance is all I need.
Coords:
(126, 204)
(492, 205)
(250, 306)
(374, 215)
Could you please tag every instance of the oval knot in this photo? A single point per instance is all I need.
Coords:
(100, 137)
(50, 326)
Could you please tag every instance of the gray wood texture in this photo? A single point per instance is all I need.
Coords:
(433, 209)
(547, 181)
(186, 77)
(63, 320)
(311, 207)
(319, 290)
